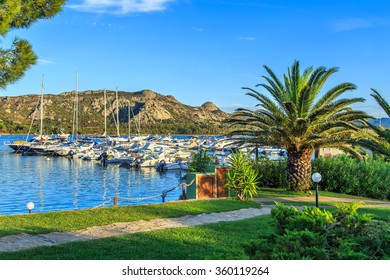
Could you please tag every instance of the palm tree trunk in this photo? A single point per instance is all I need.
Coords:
(299, 169)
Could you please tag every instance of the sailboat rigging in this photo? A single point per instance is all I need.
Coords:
(41, 138)
(76, 110)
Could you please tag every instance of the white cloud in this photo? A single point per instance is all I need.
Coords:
(247, 38)
(44, 62)
(120, 6)
(197, 29)
(356, 23)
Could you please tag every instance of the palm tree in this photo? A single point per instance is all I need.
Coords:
(379, 140)
(298, 119)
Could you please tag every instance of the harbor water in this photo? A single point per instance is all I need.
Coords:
(59, 183)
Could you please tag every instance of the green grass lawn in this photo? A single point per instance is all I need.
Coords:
(279, 192)
(380, 213)
(72, 220)
(213, 241)
(222, 240)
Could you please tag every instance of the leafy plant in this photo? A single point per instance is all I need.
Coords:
(199, 161)
(242, 178)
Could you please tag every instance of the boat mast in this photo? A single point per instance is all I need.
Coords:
(128, 115)
(105, 113)
(75, 110)
(117, 112)
(77, 105)
(41, 109)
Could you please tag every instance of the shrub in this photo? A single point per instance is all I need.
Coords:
(343, 174)
(321, 234)
(283, 215)
(242, 178)
(199, 161)
(303, 244)
(272, 173)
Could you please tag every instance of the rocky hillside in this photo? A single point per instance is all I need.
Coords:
(155, 112)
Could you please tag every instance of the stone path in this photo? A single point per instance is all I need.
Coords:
(25, 241)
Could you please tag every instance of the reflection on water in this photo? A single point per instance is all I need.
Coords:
(63, 184)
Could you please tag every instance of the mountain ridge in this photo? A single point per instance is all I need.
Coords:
(150, 109)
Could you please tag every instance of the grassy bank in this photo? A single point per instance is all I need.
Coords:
(222, 240)
(213, 241)
(72, 220)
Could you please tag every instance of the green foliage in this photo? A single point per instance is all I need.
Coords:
(321, 234)
(282, 215)
(303, 244)
(22, 13)
(272, 173)
(15, 61)
(343, 174)
(289, 218)
(378, 141)
(199, 161)
(242, 178)
(2, 126)
(19, 57)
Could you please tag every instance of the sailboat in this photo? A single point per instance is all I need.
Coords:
(117, 139)
(42, 144)
(25, 146)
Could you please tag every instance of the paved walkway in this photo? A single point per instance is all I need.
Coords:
(25, 241)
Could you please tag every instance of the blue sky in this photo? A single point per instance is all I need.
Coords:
(200, 50)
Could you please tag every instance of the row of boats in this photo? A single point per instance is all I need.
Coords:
(161, 152)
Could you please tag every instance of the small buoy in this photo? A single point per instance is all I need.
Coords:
(47, 158)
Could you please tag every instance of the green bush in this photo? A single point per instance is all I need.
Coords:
(199, 161)
(272, 173)
(343, 174)
(303, 244)
(283, 215)
(242, 178)
(321, 234)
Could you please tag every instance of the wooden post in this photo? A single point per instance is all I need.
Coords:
(163, 195)
(115, 201)
(183, 191)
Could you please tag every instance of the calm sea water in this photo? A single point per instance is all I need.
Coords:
(63, 184)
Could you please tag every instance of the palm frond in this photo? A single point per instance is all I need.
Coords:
(324, 113)
(291, 114)
(332, 94)
(381, 101)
